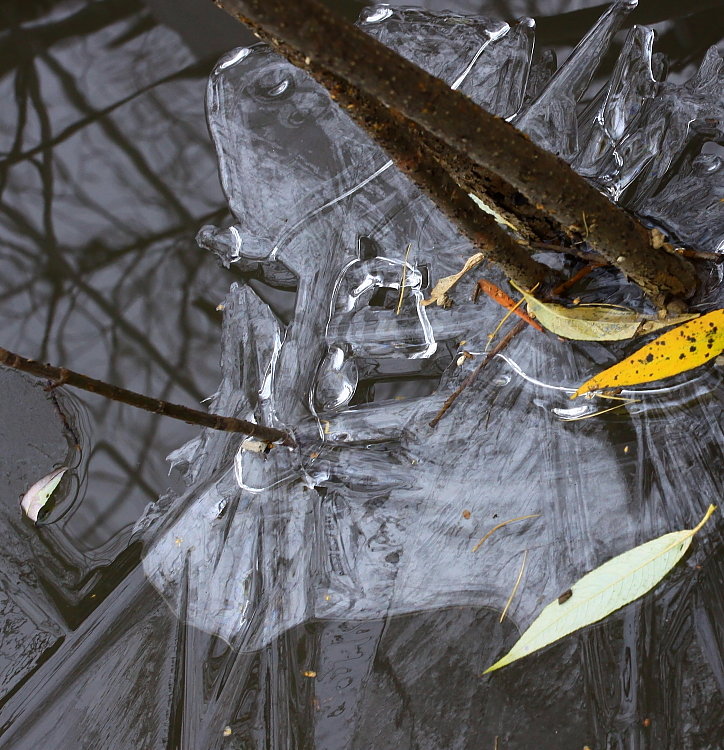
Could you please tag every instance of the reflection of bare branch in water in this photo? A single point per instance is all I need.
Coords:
(106, 173)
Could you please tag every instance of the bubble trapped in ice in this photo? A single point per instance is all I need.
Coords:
(364, 520)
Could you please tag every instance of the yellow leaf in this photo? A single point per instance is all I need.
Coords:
(440, 290)
(688, 346)
(609, 587)
(595, 322)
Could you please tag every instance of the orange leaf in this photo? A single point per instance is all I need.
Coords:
(687, 346)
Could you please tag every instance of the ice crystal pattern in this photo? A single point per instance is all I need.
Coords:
(375, 513)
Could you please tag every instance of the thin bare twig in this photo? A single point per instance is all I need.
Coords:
(512, 333)
(61, 376)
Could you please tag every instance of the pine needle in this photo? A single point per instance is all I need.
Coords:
(602, 411)
(500, 526)
(450, 400)
(402, 280)
(513, 310)
(515, 588)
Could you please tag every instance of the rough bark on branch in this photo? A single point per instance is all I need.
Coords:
(488, 141)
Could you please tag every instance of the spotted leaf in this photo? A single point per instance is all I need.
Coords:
(683, 348)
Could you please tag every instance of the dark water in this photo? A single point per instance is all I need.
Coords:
(106, 173)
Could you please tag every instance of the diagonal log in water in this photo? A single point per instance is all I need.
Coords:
(314, 38)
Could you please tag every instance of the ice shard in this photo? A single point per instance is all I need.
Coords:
(376, 513)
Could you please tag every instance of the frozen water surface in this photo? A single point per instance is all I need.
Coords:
(376, 514)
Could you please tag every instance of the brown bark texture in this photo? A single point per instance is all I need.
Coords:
(396, 136)
(481, 141)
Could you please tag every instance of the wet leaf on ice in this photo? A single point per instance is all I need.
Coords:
(595, 322)
(609, 587)
(444, 285)
(38, 495)
(688, 346)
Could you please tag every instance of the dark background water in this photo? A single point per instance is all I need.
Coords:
(106, 173)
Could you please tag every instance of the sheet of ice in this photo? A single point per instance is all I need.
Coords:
(375, 513)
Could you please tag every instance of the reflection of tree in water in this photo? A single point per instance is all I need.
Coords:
(107, 174)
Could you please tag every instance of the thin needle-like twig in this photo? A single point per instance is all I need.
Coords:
(402, 280)
(514, 331)
(515, 588)
(500, 526)
(602, 411)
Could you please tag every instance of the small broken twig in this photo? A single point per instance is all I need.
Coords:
(514, 331)
(61, 376)
(499, 296)
(566, 285)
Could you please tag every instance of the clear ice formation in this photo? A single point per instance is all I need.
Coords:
(375, 513)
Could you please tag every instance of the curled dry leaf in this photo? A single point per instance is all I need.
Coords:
(444, 285)
(604, 590)
(595, 322)
(38, 495)
(688, 346)
(253, 445)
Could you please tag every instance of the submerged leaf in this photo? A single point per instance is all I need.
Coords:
(688, 346)
(440, 290)
(38, 495)
(604, 590)
(595, 322)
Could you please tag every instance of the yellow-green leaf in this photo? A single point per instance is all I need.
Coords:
(490, 210)
(604, 590)
(595, 322)
(688, 346)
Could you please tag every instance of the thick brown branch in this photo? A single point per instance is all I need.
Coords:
(532, 224)
(490, 142)
(61, 376)
(396, 136)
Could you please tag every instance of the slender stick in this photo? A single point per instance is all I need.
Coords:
(515, 588)
(512, 333)
(62, 376)
(327, 42)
